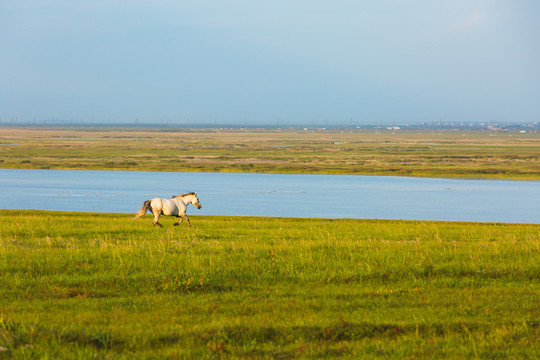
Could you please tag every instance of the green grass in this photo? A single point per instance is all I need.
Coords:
(77, 285)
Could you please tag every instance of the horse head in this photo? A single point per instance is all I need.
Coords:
(195, 201)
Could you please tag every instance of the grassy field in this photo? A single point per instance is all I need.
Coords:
(100, 286)
(473, 154)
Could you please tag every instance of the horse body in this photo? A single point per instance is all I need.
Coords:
(176, 206)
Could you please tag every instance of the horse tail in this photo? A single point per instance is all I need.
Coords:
(143, 209)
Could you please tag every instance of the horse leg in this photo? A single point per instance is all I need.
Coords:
(179, 221)
(156, 220)
(187, 219)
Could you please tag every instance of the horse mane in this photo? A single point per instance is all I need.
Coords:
(182, 195)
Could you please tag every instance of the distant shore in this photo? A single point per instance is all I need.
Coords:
(423, 153)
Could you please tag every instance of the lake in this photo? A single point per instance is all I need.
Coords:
(321, 196)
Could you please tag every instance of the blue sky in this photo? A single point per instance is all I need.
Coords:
(255, 62)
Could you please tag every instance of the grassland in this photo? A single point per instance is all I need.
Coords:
(472, 154)
(77, 285)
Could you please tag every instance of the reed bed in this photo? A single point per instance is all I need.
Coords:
(472, 154)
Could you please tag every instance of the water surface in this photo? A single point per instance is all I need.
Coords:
(321, 196)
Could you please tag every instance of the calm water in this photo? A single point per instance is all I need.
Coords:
(322, 196)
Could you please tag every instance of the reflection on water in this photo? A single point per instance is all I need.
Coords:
(322, 196)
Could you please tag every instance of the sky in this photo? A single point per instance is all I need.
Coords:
(270, 62)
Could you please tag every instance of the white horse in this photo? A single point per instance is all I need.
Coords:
(172, 207)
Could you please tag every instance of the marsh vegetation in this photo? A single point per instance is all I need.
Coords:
(475, 154)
